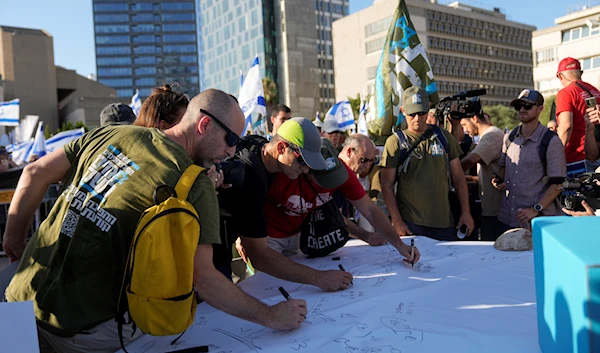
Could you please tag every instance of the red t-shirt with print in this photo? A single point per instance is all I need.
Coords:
(290, 201)
(572, 99)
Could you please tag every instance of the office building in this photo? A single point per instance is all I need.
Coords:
(53, 93)
(575, 35)
(468, 48)
(146, 43)
(292, 39)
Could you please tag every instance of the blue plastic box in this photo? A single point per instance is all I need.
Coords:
(567, 283)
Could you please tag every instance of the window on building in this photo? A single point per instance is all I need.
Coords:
(114, 71)
(112, 50)
(173, 38)
(141, 60)
(122, 60)
(112, 39)
(142, 28)
(145, 70)
(112, 7)
(125, 92)
(179, 27)
(116, 82)
(374, 45)
(140, 7)
(111, 18)
(142, 17)
(178, 17)
(177, 6)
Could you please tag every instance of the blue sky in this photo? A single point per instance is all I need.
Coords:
(70, 22)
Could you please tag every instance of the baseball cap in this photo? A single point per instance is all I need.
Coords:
(415, 100)
(304, 134)
(567, 64)
(330, 126)
(335, 174)
(3, 150)
(529, 96)
(117, 113)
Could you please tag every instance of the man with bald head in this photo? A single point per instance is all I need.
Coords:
(73, 265)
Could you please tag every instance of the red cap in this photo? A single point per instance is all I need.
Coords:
(569, 64)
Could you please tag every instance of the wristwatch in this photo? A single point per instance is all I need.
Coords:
(538, 208)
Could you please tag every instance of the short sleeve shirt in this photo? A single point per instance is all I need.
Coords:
(489, 149)
(422, 191)
(290, 201)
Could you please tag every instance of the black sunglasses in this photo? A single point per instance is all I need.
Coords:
(298, 155)
(418, 113)
(232, 139)
(527, 106)
(363, 160)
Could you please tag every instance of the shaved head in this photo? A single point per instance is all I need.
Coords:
(216, 102)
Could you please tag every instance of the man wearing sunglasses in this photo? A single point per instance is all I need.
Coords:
(72, 267)
(295, 149)
(421, 205)
(529, 152)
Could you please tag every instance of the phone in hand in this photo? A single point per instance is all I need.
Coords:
(591, 102)
(499, 180)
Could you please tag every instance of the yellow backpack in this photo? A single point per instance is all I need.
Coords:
(159, 273)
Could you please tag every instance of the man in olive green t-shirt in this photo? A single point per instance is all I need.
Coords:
(420, 205)
(73, 266)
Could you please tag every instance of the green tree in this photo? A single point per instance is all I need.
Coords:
(502, 116)
(271, 93)
(355, 104)
(549, 112)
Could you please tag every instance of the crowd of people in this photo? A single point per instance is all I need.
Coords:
(418, 187)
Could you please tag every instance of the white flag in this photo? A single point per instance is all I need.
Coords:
(362, 117)
(252, 98)
(39, 144)
(62, 138)
(136, 102)
(341, 112)
(9, 113)
(20, 151)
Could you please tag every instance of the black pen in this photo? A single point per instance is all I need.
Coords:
(342, 268)
(285, 294)
(200, 349)
(412, 252)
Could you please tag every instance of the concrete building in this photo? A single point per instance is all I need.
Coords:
(55, 94)
(27, 68)
(146, 44)
(468, 48)
(575, 35)
(292, 39)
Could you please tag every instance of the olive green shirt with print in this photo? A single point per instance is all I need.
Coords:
(422, 186)
(72, 267)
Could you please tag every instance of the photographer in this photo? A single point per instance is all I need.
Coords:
(486, 155)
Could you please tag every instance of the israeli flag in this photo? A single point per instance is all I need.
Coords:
(62, 138)
(136, 102)
(9, 113)
(252, 99)
(341, 112)
(39, 144)
(362, 117)
(20, 151)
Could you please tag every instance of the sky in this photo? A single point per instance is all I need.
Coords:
(70, 22)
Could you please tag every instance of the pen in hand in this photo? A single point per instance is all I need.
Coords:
(342, 268)
(412, 252)
(285, 294)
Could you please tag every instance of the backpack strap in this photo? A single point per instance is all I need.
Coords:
(511, 136)
(403, 143)
(186, 181)
(249, 151)
(543, 146)
(442, 138)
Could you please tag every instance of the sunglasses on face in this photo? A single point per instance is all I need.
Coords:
(363, 160)
(298, 156)
(418, 113)
(232, 139)
(527, 106)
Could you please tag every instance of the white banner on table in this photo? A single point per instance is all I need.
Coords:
(461, 297)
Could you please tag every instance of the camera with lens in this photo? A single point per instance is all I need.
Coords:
(462, 105)
(578, 188)
(233, 171)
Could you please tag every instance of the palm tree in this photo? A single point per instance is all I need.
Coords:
(271, 93)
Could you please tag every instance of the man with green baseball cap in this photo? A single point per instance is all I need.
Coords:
(289, 154)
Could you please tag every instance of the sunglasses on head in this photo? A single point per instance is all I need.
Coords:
(418, 113)
(298, 155)
(527, 106)
(232, 139)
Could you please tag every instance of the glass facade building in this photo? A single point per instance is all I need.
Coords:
(144, 44)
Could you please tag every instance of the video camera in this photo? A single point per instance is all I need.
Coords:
(582, 187)
(467, 104)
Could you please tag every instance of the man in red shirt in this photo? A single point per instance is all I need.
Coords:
(291, 200)
(570, 110)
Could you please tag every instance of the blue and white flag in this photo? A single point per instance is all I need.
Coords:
(252, 100)
(62, 138)
(318, 122)
(341, 112)
(20, 151)
(403, 63)
(39, 144)
(362, 117)
(9, 113)
(136, 103)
